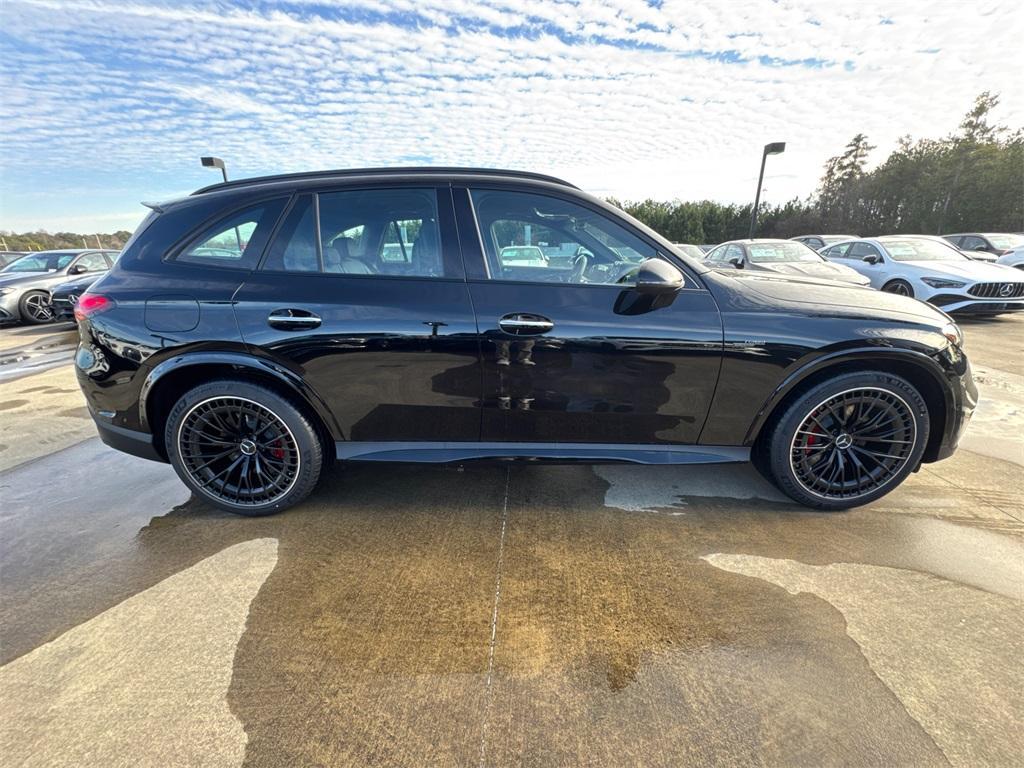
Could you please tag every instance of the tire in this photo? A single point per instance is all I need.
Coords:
(815, 455)
(35, 309)
(899, 287)
(243, 448)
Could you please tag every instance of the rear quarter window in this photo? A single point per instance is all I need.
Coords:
(235, 241)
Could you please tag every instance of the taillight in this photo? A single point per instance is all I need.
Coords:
(90, 304)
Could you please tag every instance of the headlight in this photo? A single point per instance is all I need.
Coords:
(952, 332)
(942, 282)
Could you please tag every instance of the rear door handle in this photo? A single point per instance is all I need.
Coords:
(524, 324)
(293, 319)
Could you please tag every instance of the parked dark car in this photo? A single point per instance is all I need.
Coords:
(251, 332)
(26, 282)
(64, 297)
(995, 243)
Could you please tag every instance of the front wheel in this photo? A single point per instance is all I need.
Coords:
(899, 287)
(848, 441)
(243, 447)
(35, 308)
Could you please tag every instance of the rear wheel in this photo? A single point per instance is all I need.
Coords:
(848, 441)
(899, 287)
(243, 448)
(35, 308)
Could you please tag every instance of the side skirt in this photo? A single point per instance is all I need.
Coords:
(597, 453)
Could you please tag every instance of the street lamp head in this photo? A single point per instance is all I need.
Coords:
(215, 162)
(775, 148)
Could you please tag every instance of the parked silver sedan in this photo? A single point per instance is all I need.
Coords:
(784, 257)
(26, 282)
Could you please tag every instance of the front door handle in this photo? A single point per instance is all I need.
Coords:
(524, 324)
(293, 319)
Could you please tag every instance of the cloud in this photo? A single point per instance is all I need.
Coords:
(628, 98)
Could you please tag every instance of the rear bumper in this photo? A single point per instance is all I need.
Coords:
(128, 440)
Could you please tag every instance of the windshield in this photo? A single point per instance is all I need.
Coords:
(1006, 241)
(40, 262)
(921, 250)
(780, 253)
(829, 239)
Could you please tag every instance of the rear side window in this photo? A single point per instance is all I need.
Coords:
(378, 232)
(235, 242)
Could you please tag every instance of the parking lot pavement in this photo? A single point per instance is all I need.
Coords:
(520, 614)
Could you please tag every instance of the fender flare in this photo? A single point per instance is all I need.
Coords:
(290, 379)
(793, 379)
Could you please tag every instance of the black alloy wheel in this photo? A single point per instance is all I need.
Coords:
(899, 287)
(243, 447)
(848, 441)
(35, 308)
(853, 443)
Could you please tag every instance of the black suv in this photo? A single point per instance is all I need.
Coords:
(257, 329)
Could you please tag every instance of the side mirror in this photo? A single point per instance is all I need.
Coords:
(737, 261)
(871, 259)
(658, 277)
(78, 269)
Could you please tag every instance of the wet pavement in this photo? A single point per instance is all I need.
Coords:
(508, 615)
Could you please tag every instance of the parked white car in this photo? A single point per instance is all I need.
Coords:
(782, 257)
(932, 272)
(1013, 258)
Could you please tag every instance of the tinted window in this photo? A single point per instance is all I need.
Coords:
(381, 232)
(972, 243)
(546, 239)
(838, 251)
(716, 254)
(236, 241)
(41, 262)
(860, 250)
(294, 247)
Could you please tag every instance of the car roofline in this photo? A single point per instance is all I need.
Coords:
(342, 173)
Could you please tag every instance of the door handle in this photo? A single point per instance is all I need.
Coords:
(293, 319)
(522, 324)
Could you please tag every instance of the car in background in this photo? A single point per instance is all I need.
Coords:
(64, 297)
(522, 256)
(26, 282)
(994, 244)
(783, 257)
(693, 251)
(972, 255)
(935, 272)
(1013, 258)
(817, 242)
(6, 257)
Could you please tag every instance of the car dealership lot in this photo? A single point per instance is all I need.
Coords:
(505, 614)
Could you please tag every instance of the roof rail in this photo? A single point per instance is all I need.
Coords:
(392, 171)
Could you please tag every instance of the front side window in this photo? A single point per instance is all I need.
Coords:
(838, 251)
(93, 262)
(972, 243)
(860, 250)
(235, 242)
(716, 255)
(537, 238)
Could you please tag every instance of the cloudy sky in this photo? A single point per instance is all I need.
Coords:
(105, 104)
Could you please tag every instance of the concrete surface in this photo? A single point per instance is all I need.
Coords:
(506, 615)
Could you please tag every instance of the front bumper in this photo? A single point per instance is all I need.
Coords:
(961, 304)
(9, 312)
(959, 411)
(63, 309)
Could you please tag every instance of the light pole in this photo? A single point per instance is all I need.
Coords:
(775, 148)
(214, 162)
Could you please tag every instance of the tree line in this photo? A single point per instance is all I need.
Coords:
(971, 180)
